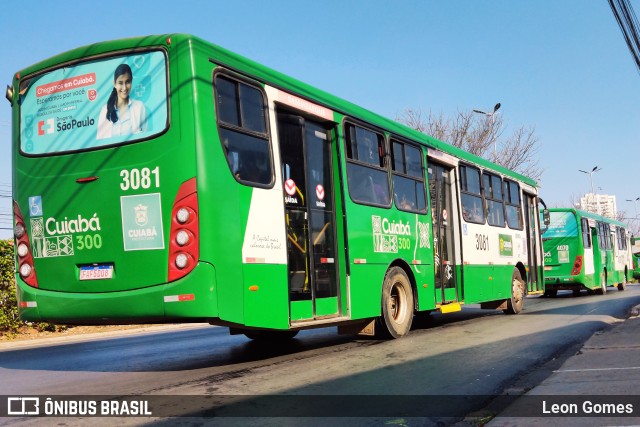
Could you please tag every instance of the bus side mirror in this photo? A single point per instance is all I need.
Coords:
(9, 94)
(633, 240)
(546, 216)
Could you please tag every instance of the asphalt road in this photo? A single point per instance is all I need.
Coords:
(467, 357)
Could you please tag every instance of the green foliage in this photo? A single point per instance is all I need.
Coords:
(9, 320)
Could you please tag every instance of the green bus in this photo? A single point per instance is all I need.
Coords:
(583, 250)
(635, 257)
(166, 179)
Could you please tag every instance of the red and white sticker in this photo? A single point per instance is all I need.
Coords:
(290, 187)
(320, 192)
(444, 214)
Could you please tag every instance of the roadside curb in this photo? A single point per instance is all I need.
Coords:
(70, 339)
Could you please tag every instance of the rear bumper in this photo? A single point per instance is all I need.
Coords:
(192, 298)
(561, 283)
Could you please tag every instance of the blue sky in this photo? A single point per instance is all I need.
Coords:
(561, 66)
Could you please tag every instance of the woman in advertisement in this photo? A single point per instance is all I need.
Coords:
(122, 115)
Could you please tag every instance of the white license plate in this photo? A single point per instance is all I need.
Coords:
(96, 272)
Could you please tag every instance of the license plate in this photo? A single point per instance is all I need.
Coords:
(96, 272)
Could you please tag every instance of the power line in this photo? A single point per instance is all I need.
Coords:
(628, 23)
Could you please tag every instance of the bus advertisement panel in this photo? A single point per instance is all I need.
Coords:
(76, 107)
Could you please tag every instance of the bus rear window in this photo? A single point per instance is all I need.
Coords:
(563, 224)
(92, 104)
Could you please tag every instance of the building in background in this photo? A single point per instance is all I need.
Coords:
(602, 204)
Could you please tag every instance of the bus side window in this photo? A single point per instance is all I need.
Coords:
(471, 195)
(241, 114)
(586, 233)
(494, 199)
(367, 175)
(408, 177)
(513, 209)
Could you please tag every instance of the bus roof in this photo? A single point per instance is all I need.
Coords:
(260, 72)
(586, 214)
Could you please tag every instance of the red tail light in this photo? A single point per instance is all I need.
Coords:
(26, 268)
(577, 266)
(184, 243)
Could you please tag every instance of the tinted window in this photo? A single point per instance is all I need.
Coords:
(367, 175)
(408, 179)
(493, 198)
(513, 209)
(242, 121)
(471, 197)
(586, 233)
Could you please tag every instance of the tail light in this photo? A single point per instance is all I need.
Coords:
(577, 266)
(26, 269)
(184, 240)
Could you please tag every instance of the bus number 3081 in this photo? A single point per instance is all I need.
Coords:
(482, 242)
(140, 178)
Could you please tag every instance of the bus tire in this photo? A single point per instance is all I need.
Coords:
(623, 285)
(551, 293)
(516, 302)
(397, 305)
(603, 285)
(270, 335)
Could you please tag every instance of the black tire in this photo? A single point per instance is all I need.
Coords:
(576, 292)
(603, 285)
(551, 293)
(270, 335)
(623, 285)
(516, 302)
(397, 305)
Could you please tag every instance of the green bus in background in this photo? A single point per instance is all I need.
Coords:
(583, 250)
(635, 257)
(165, 179)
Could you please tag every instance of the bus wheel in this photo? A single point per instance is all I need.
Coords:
(515, 303)
(603, 286)
(551, 293)
(270, 335)
(397, 305)
(623, 285)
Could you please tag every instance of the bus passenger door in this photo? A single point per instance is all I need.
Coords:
(441, 180)
(599, 258)
(306, 152)
(534, 284)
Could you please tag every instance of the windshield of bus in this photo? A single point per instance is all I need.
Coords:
(563, 224)
(95, 103)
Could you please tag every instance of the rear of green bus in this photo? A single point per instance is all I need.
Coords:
(563, 252)
(105, 201)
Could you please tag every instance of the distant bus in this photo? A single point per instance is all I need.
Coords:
(166, 179)
(635, 251)
(583, 250)
(636, 266)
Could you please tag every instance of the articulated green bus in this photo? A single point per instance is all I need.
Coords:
(165, 179)
(583, 250)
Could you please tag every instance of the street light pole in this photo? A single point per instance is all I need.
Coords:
(594, 170)
(590, 173)
(493, 121)
(635, 205)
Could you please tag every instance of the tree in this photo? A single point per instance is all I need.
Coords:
(482, 136)
(9, 320)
